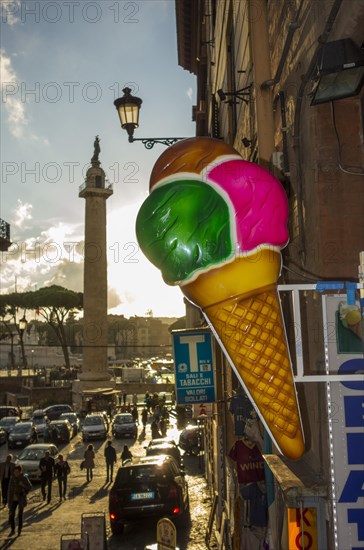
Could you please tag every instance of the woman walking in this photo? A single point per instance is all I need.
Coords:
(62, 470)
(19, 487)
(89, 457)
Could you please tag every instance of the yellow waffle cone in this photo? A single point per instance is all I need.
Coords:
(250, 328)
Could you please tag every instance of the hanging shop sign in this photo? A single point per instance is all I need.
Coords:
(194, 367)
(302, 528)
(346, 421)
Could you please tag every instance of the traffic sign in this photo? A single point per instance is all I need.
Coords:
(194, 366)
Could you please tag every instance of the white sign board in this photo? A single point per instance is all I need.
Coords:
(202, 409)
(166, 534)
(94, 526)
(346, 421)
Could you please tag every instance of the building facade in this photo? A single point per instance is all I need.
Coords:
(256, 64)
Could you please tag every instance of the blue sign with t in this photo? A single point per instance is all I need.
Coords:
(194, 367)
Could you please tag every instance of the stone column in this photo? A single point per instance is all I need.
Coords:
(96, 192)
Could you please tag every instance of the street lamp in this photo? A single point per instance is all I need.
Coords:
(128, 107)
(22, 327)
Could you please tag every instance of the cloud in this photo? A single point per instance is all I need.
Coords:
(189, 93)
(113, 298)
(10, 11)
(22, 213)
(15, 109)
(14, 106)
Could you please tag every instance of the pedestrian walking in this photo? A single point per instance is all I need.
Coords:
(144, 417)
(126, 454)
(135, 415)
(62, 470)
(46, 466)
(110, 457)
(54, 434)
(124, 397)
(19, 487)
(89, 457)
(163, 427)
(135, 399)
(6, 471)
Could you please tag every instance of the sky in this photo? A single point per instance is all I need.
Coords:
(63, 63)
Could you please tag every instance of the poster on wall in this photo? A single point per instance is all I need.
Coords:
(346, 420)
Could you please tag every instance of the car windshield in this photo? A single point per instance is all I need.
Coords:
(159, 473)
(21, 428)
(127, 419)
(68, 416)
(93, 421)
(8, 421)
(33, 454)
(39, 420)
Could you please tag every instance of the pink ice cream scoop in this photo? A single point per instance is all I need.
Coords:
(259, 201)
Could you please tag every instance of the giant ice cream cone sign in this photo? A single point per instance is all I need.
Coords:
(215, 224)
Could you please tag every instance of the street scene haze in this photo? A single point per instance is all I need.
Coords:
(182, 275)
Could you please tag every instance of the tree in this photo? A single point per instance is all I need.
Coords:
(121, 332)
(10, 326)
(53, 303)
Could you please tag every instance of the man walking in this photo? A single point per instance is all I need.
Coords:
(110, 457)
(19, 487)
(47, 468)
(6, 472)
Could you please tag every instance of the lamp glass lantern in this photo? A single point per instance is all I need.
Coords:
(128, 107)
(340, 72)
(23, 324)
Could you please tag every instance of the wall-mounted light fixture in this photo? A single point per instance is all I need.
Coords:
(340, 71)
(241, 95)
(128, 108)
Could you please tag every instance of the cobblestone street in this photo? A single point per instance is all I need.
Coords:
(45, 524)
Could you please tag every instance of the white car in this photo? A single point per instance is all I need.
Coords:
(94, 427)
(30, 457)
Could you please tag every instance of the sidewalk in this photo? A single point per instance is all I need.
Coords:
(44, 523)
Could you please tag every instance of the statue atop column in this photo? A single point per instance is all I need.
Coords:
(97, 150)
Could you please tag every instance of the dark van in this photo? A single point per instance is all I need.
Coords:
(8, 410)
(54, 411)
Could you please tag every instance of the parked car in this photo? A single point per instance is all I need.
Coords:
(22, 434)
(73, 420)
(124, 425)
(191, 439)
(30, 457)
(41, 421)
(64, 429)
(152, 487)
(94, 427)
(3, 436)
(163, 448)
(8, 410)
(54, 411)
(8, 423)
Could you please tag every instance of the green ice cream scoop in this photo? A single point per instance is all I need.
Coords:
(182, 227)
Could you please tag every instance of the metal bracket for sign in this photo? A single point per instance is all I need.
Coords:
(295, 290)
